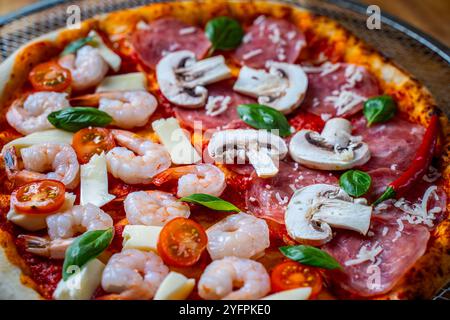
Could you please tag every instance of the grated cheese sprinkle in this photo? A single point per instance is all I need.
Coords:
(252, 54)
(365, 254)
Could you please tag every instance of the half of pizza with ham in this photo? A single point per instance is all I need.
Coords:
(218, 150)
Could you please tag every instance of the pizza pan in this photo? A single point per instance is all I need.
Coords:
(423, 57)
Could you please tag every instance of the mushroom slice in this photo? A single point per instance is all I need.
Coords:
(260, 147)
(333, 149)
(181, 78)
(282, 88)
(314, 209)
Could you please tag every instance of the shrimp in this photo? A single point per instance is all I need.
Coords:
(64, 226)
(30, 115)
(221, 277)
(134, 274)
(128, 109)
(153, 208)
(58, 161)
(200, 178)
(240, 235)
(138, 159)
(87, 67)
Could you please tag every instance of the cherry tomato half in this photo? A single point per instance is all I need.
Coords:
(90, 141)
(181, 242)
(291, 275)
(44, 196)
(50, 76)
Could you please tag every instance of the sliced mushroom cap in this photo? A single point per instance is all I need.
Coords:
(260, 147)
(333, 149)
(282, 88)
(314, 209)
(181, 78)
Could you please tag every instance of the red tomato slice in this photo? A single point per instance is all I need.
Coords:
(45, 196)
(181, 242)
(90, 141)
(290, 275)
(50, 76)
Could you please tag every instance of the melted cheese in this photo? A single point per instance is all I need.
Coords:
(141, 237)
(124, 82)
(94, 182)
(175, 287)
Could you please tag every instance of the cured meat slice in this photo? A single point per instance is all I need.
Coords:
(338, 89)
(270, 39)
(372, 265)
(268, 198)
(228, 119)
(168, 35)
(392, 144)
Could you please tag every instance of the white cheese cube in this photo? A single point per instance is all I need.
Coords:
(140, 237)
(293, 294)
(176, 142)
(81, 285)
(94, 182)
(263, 164)
(112, 58)
(175, 287)
(34, 222)
(124, 82)
(47, 136)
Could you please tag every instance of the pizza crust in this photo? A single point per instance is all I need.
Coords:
(432, 270)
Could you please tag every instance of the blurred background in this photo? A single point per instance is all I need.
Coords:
(429, 16)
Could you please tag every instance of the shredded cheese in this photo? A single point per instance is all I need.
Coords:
(187, 30)
(252, 54)
(345, 101)
(365, 254)
(217, 105)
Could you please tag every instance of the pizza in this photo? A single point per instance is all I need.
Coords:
(218, 150)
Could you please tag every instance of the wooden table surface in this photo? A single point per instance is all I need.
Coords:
(430, 16)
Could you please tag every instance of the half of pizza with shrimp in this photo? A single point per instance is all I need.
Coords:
(218, 150)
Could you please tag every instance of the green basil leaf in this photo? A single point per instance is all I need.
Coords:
(77, 118)
(224, 33)
(263, 117)
(379, 109)
(310, 256)
(85, 248)
(77, 44)
(211, 202)
(355, 182)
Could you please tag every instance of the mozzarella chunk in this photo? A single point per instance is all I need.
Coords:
(176, 142)
(293, 294)
(263, 164)
(175, 287)
(111, 58)
(140, 237)
(34, 222)
(124, 82)
(81, 285)
(47, 136)
(94, 182)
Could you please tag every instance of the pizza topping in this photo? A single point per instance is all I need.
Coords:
(333, 149)
(379, 109)
(355, 182)
(289, 275)
(77, 118)
(91, 141)
(272, 40)
(310, 256)
(313, 210)
(224, 33)
(182, 78)
(260, 148)
(135, 81)
(38, 197)
(290, 294)
(418, 167)
(174, 287)
(282, 88)
(210, 202)
(50, 76)
(387, 256)
(338, 89)
(182, 242)
(262, 117)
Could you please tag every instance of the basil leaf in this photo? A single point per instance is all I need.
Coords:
(379, 109)
(77, 44)
(263, 117)
(85, 248)
(74, 119)
(310, 256)
(224, 33)
(355, 182)
(211, 202)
